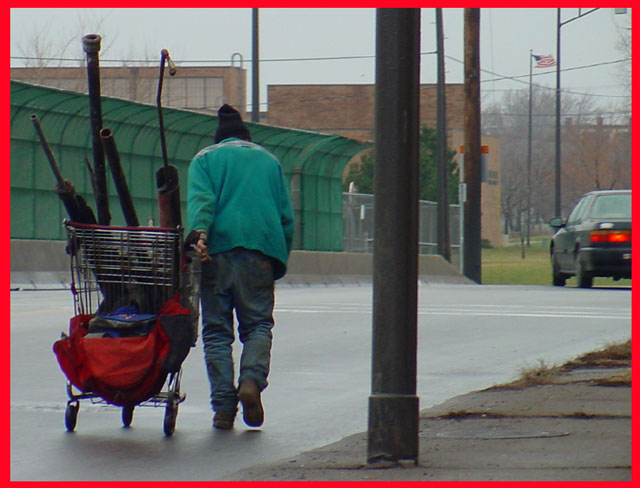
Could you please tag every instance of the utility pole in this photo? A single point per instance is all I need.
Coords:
(529, 149)
(472, 148)
(393, 404)
(444, 240)
(558, 165)
(255, 68)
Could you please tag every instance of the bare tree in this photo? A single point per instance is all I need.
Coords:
(624, 71)
(595, 155)
(45, 53)
(41, 48)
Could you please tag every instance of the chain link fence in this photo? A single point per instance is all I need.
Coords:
(357, 210)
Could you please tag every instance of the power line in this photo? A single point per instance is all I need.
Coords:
(517, 77)
(205, 61)
(594, 114)
(550, 72)
(500, 77)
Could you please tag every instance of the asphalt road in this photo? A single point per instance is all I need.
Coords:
(470, 337)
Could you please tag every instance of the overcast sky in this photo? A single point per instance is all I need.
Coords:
(589, 44)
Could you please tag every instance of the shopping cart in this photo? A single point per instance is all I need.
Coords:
(136, 299)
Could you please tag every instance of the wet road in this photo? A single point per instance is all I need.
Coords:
(470, 337)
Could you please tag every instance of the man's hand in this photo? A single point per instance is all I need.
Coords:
(201, 248)
(197, 241)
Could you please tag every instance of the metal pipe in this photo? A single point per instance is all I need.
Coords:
(126, 202)
(393, 404)
(47, 150)
(164, 55)
(172, 66)
(91, 46)
(76, 206)
(167, 180)
(92, 178)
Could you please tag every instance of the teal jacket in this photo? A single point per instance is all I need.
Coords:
(238, 194)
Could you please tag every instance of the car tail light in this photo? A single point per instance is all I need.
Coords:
(610, 236)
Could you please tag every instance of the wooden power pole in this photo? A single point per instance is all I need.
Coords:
(472, 147)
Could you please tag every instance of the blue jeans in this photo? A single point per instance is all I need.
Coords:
(240, 280)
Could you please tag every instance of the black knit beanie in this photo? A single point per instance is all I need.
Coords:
(230, 124)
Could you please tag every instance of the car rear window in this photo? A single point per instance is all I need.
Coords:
(612, 207)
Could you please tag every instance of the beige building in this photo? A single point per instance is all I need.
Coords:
(194, 88)
(490, 188)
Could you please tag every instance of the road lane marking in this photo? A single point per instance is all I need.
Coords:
(478, 311)
(47, 311)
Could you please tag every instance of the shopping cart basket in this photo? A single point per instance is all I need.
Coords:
(136, 301)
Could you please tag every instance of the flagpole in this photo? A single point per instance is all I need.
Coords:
(529, 152)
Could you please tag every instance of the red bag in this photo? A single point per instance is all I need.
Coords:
(123, 371)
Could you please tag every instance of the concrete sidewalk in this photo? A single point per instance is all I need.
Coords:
(575, 427)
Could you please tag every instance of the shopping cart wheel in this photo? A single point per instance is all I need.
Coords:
(127, 415)
(170, 413)
(71, 415)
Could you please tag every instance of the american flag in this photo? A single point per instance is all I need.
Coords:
(543, 61)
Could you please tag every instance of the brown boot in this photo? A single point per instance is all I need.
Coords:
(224, 419)
(249, 396)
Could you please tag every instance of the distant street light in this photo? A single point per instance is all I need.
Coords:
(558, 197)
(255, 67)
(444, 239)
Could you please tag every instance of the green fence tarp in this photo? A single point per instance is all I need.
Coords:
(313, 162)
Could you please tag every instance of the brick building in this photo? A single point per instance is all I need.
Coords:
(348, 109)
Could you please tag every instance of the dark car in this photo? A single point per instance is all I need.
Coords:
(595, 240)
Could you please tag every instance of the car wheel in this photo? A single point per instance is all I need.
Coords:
(558, 278)
(585, 280)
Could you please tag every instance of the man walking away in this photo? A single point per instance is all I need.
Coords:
(241, 224)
